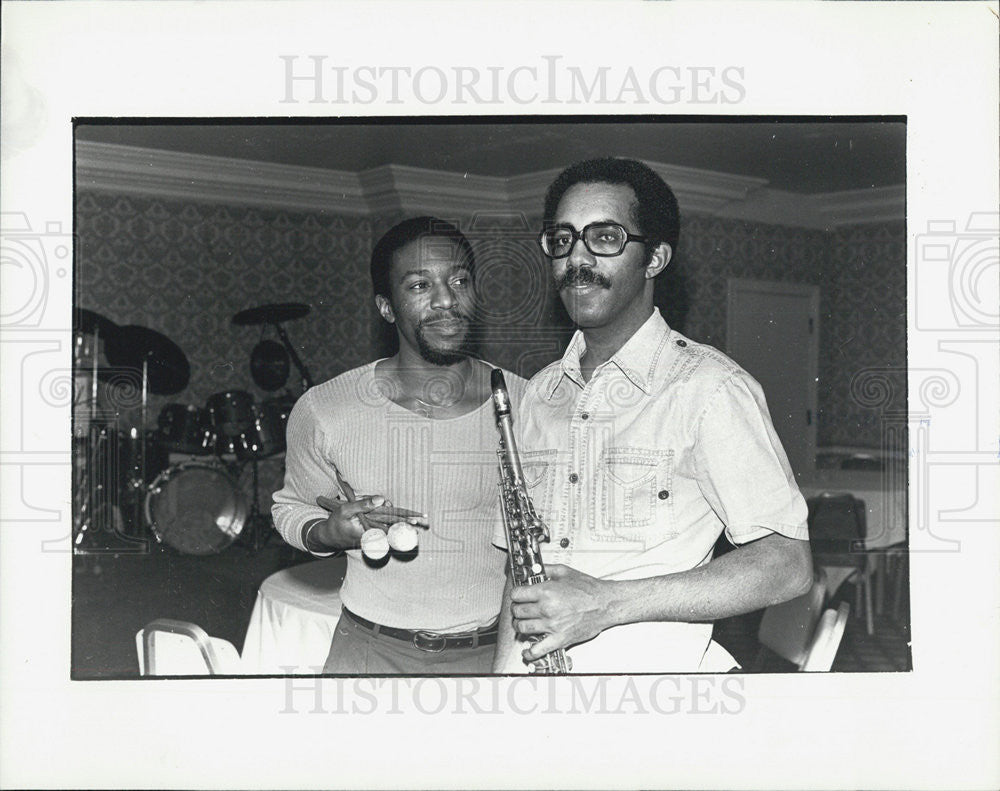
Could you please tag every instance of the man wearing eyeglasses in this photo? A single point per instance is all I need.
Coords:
(640, 447)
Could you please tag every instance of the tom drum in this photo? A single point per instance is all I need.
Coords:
(232, 412)
(267, 436)
(185, 428)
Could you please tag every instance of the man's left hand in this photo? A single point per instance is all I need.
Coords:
(569, 608)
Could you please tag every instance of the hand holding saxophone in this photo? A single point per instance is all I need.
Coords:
(524, 531)
(569, 608)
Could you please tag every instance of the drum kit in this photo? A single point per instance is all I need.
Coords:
(131, 481)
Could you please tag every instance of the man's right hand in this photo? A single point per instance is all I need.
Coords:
(342, 529)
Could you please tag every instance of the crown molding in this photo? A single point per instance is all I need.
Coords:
(416, 190)
(854, 207)
(389, 189)
(168, 174)
(698, 191)
(822, 211)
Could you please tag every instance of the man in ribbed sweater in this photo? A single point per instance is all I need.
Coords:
(652, 446)
(408, 437)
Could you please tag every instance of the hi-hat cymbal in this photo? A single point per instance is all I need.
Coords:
(86, 321)
(271, 314)
(169, 371)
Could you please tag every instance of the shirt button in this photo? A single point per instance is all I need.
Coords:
(573, 477)
(585, 416)
(564, 542)
(682, 343)
(664, 494)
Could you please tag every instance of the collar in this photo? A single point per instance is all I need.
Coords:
(636, 359)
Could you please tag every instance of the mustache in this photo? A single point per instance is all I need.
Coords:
(445, 317)
(582, 276)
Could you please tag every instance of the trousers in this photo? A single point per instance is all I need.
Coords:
(356, 651)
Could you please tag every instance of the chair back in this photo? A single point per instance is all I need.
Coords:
(787, 628)
(837, 523)
(826, 641)
(178, 648)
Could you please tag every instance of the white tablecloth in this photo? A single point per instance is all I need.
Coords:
(886, 506)
(293, 619)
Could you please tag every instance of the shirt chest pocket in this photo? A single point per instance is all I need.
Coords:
(539, 470)
(634, 495)
(536, 466)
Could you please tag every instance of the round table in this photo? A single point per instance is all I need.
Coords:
(293, 619)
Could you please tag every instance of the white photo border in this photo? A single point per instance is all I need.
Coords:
(934, 63)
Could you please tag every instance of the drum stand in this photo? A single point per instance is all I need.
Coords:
(134, 480)
(87, 490)
(258, 529)
(112, 501)
(108, 517)
(83, 495)
(99, 526)
(307, 380)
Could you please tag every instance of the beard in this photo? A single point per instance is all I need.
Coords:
(436, 355)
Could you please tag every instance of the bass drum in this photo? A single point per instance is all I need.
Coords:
(196, 508)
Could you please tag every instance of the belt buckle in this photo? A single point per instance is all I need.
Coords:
(430, 642)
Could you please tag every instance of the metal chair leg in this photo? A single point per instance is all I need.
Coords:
(897, 595)
(880, 570)
(869, 621)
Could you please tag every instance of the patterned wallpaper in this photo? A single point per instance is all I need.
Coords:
(184, 269)
(714, 249)
(863, 357)
(861, 274)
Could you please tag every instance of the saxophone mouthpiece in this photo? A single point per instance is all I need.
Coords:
(501, 400)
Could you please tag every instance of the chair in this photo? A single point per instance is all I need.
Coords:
(837, 529)
(800, 630)
(896, 564)
(787, 628)
(826, 641)
(177, 648)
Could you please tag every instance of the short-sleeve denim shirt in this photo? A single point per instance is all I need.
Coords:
(637, 471)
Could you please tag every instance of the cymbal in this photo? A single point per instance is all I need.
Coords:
(86, 321)
(169, 371)
(271, 314)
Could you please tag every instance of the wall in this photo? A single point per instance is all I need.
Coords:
(863, 367)
(861, 273)
(185, 268)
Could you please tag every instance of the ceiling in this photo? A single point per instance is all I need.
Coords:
(800, 155)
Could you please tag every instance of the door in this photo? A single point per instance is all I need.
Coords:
(772, 331)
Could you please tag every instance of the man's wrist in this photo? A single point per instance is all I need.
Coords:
(310, 540)
(619, 603)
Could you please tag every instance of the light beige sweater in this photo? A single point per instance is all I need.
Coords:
(444, 468)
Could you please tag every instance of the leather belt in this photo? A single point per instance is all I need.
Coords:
(432, 642)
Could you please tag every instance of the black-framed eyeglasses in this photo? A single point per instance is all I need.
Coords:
(600, 238)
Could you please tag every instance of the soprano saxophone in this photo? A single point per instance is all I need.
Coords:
(522, 527)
